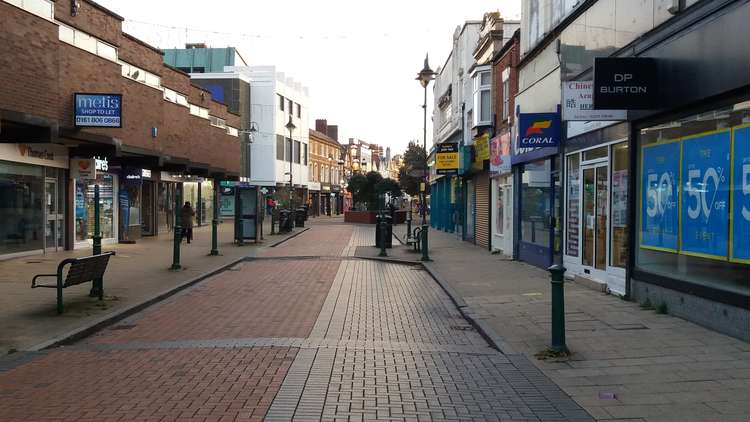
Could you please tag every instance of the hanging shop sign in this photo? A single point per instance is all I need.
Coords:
(740, 231)
(500, 154)
(98, 110)
(83, 168)
(628, 83)
(446, 158)
(578, 104)
(482, 148)
(659, 210)
(538, 130)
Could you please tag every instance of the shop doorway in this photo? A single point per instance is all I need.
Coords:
(595, 216)
(54, 215)
(148, 208)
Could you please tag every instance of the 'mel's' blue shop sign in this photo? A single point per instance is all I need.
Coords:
(98, 110)
(538, 130)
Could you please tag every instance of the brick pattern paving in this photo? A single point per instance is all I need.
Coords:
(376, 306)
(320, 240)
(147, 385)
(254, 299)
(387, 344)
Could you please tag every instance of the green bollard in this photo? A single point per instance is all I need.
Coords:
(557, 275)
(215, 222)
(177, 233)
(97, 287)
(425, 253)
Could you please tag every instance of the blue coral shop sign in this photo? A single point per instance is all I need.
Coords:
(539, 130)
(98, 110)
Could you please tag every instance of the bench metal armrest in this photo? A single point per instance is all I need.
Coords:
(33, 281)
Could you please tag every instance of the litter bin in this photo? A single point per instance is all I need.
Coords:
(300, 216)
(382, 217)
(285, 221)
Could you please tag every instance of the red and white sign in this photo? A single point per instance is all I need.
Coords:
(83, 168)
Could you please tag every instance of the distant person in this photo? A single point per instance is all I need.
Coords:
(270, 205)
(186, 220)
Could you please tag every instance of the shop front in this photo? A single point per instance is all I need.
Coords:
(165, 201)
(314, 198)
(199, 191)
(33, 185)
(691, 169)
(537, 175)
(83, 203)
(501, 200)
(130, 202)
(596, 206)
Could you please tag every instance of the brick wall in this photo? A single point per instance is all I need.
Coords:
(28, 63)
(509, 59)
(40, 74)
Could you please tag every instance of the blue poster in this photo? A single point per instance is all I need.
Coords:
(705, 195)
(659, 211)
(741, 196)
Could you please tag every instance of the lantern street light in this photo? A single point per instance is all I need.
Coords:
(290, 125)
(424, 77)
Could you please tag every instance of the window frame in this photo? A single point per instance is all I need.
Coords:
(479, 90)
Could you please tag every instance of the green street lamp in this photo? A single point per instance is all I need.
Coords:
(425, 76)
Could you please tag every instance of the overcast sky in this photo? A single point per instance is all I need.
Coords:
(359, 59)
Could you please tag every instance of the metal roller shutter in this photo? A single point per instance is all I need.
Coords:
(482, 215)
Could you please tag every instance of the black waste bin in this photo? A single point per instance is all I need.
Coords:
(307, 211)
(382, 217)
(299, 217)
(285, 221)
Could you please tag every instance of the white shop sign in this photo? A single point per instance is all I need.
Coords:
(578, 104)
(39, 154)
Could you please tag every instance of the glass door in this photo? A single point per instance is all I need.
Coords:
(595, 184)
(54, 216)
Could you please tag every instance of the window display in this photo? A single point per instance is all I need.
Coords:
(536, 191)
(693, 215)
(21, 207)
(84, 207)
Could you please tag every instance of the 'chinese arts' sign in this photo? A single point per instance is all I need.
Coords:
(578, 104)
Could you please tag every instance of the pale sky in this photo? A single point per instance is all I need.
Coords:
(359, 59)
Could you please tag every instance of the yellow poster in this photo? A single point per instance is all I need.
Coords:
(482, 148)
(446, 159)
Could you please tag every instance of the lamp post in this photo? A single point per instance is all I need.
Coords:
(290, 125)
(424, 77)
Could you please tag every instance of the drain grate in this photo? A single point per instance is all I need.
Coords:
(122, 327)
(462, 328)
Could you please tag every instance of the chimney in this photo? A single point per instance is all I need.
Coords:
(333, 132)
(321, 125)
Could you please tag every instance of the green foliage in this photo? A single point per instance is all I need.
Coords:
(390, 186)
(662, 308)
(414, 162)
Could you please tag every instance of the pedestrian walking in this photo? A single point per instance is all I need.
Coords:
(270, 205)
(186, 220)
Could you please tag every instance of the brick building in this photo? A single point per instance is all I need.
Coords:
(326, 169)
(170, 136)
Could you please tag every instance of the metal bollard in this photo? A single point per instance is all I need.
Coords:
(557, 276)
(408, 226)
(425, 253)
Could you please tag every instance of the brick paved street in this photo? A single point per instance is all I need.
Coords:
(304, 332)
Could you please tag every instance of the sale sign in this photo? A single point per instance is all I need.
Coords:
(705, 195)
(740, 246)
(659, 197)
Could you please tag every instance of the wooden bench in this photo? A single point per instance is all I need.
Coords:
(82, 270)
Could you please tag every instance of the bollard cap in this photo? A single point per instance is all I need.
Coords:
(557, 268)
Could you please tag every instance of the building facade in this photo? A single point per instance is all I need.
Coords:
(646, 201)
(326, 170)
(99, 98)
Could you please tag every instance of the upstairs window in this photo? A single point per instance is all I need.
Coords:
(86, 42)
(506, 94)
(42, 8)
(482, 98)
(281, 102)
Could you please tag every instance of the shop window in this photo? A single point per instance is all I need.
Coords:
(21, 207)
(500, 211)
(619, 224)
(84, 207)
(595, 154)
(573, 198)
(536, 195)
(693, 213)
